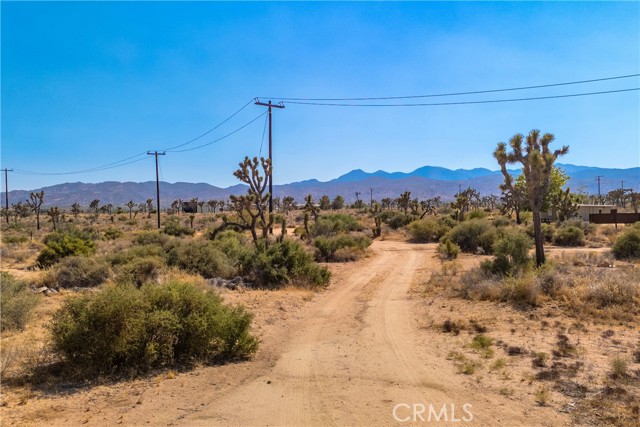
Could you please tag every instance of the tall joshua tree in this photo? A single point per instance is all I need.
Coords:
(537, 164)
(130, 204)
(35, 203)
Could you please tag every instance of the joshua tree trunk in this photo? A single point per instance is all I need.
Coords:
(538, 237)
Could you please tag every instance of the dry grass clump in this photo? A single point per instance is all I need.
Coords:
(607, 293)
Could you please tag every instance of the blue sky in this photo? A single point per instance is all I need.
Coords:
(87, 84)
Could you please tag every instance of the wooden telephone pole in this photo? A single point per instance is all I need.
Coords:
(6, 192)
(155, 153)
(270, 106)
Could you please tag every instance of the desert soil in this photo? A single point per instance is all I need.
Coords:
(344, 356)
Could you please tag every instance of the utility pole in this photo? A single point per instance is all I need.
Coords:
(270, 106)
(155, 153)
(599, 195)
(6, 192)
(371, 204)
(624, 204)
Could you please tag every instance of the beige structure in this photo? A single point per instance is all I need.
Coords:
(585, 210)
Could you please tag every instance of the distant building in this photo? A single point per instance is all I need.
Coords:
(585, 210)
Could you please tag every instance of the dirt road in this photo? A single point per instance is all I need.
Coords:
(348, 357)
(356, 354)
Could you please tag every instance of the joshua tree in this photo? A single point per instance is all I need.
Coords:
(404, 201)
(386, 203)
(288, 204)
(54, 214)
(325, 203)
(35, 203)
(149, 207)
(537, 164)
(337, 203)
(76, 209)
(212, 205)
(310, 207)
(20, 210)
(95, 205)
(130, 204)
(201, 204)
(251, 208)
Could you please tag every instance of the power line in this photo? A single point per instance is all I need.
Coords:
(96, 169)
(210, 130)
(458, 93)
(217, 140)
(490, 101)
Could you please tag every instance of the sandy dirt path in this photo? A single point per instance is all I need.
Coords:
(357, 353)
(347, 357)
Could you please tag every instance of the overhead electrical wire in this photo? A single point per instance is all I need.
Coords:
(210, 130)
(475, 92)
(490, 101)
(219, 139)
(112, 165)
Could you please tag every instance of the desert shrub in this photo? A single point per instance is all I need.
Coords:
(112, 234)
(607, 291)
(395, 220)
(14, 239)
(78, 271)
(151, 238)
(548, 231)
(17, 302)
(569, 236)
(124, 328)
(285, 263)
(448, 250)
(201, 257)
(586, 227)
(473, 235)
(62, 244)
(427, 230)
(511, 253)
(334, 248)
(502, 221)
(334, 224)
(627, 246)
(140, 270)
(236, 246)
(475, 214)
(172, 227)
(135, 252)
(522, 291)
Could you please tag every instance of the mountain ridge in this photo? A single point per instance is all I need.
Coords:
(423, 182)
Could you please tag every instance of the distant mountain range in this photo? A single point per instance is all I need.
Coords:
(424, 182)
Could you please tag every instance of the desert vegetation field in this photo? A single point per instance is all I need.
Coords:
(318, 304)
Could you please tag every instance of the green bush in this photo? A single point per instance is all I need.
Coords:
(141, 270)
(448, 250)
(14, 239)
(78, 271)
(124, 328)
(475, 214)
(236, 246)
(427, 230)
(17, 302)
(396, 220)
(285, 263)
(151, 238)
(172, 227)
(586, 227)
(201, 257)
(502, 221)
(332, 248)
(511, 253)
(473, 235)
(548, 231)
(135, 252)
(112, 234)
(627, 246)
(569, 236)
(63, 244)
(334, 224)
